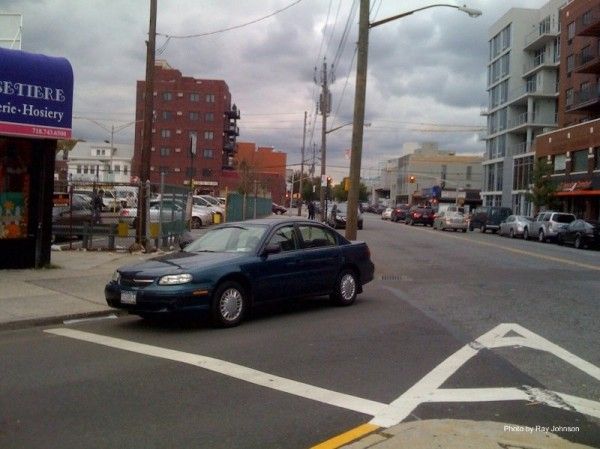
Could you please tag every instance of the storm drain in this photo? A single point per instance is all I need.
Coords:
(393, 277)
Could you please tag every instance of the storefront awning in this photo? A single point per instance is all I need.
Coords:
(36, 95)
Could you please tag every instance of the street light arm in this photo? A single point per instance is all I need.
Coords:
(470, 11)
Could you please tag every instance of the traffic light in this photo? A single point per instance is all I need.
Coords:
(328, 181)
(412, 179)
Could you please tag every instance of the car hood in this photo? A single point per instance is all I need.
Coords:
(181, 261)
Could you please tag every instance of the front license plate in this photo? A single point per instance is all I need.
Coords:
(128, 297)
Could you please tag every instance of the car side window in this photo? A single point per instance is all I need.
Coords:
(284, 238)
(547, 217)
(316, 236)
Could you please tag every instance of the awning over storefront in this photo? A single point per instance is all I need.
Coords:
(36, 95)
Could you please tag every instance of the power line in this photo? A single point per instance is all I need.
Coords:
(223, 30)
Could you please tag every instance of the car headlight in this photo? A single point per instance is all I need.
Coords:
(174, 279)
(116, 277)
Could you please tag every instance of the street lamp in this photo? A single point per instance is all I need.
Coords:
(359, 102)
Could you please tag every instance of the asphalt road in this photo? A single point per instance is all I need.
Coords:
(295, 375)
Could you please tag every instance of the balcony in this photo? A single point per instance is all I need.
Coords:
(588, 24)
(540, 37)
(519, 148)
(519, 95)
(231, 130)
(538, 63)
(525, 120)
(588, 60)
(228, 162)
(587, 99)
(233, 114)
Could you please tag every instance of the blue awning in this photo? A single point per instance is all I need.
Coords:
(36, 95)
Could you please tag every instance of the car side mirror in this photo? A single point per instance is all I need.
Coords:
(271, 248)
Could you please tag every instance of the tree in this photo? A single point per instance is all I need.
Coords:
(543, 188)
(340, 194)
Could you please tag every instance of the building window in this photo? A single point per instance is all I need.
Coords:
(586, 18)
(194, 116)
(209, 154)
(117, 169)
(469, 172)
(167, 115)
(125, 169)
(164, 151)
(210, 98)
(79, 169)
(209, 117)
(560, 163)
(571, 31)
(209, 135)
(579, 161)
(206, 172)
(195, 97)
(522, 171)
(190, 172)
(167, 96)
(585, 91)
(570, 63)
(597, 158)
(163, 169)
(165, 133)
(569, 97)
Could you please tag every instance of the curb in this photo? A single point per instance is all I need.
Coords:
(59, 319)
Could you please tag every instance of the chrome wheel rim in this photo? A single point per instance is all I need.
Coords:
(231, 304)
(347, 286)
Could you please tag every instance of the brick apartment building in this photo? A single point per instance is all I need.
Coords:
(266, 166)
(185, 107)
(573, 150)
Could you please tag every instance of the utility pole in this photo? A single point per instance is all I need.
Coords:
(301, 168)
(325, 108)
(359, 119)
(147, 128)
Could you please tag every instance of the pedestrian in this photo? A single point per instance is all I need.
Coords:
(311, 210)
(97, 205)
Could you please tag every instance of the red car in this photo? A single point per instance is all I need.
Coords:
(422, 215)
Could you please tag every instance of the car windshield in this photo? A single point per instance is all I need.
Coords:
(229, 239)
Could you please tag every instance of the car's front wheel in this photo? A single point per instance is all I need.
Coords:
(346, 288)
(578, 242)
(196, 223)
(525, 234)
(542, 236)
(229, 304)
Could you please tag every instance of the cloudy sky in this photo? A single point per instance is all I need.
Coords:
(428, 68)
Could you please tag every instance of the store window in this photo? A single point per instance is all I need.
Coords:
(15, 163)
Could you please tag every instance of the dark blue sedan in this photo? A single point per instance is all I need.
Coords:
(236, 265)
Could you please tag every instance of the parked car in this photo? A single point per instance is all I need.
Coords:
(387, 214)
(450, 220)
(208, 203)
(420, 215)
(235, 265)
(77, 213)
(277, 209)
(337, 213)
(580, 234)
(546, 225)
(516, 225)
(489, 217)
(399, 212)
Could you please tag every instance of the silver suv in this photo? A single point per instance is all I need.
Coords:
(547, 224)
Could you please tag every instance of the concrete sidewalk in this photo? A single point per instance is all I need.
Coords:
(73, 287)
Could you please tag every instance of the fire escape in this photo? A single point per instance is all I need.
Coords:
(230, 133)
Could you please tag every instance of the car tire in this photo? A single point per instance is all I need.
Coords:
(525, 234)
(464, 230)
(483, 229)
(346, 288)
(578, 243)
(360, 225)
(196, 223)
(229, 304)
(511, 233)
(541, 236)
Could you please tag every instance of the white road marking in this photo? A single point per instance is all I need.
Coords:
(503, 335)
(112, 316)
(427, 390)
(341, 400)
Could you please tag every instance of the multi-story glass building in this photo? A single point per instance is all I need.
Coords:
(522, 86)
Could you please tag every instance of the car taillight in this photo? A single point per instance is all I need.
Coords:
(124, 212)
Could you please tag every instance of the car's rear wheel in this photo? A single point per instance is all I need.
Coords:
(346, 288)
(229, 304)
(196, 223)
(483, 229)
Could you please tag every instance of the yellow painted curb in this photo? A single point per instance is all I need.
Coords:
(347, 437)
